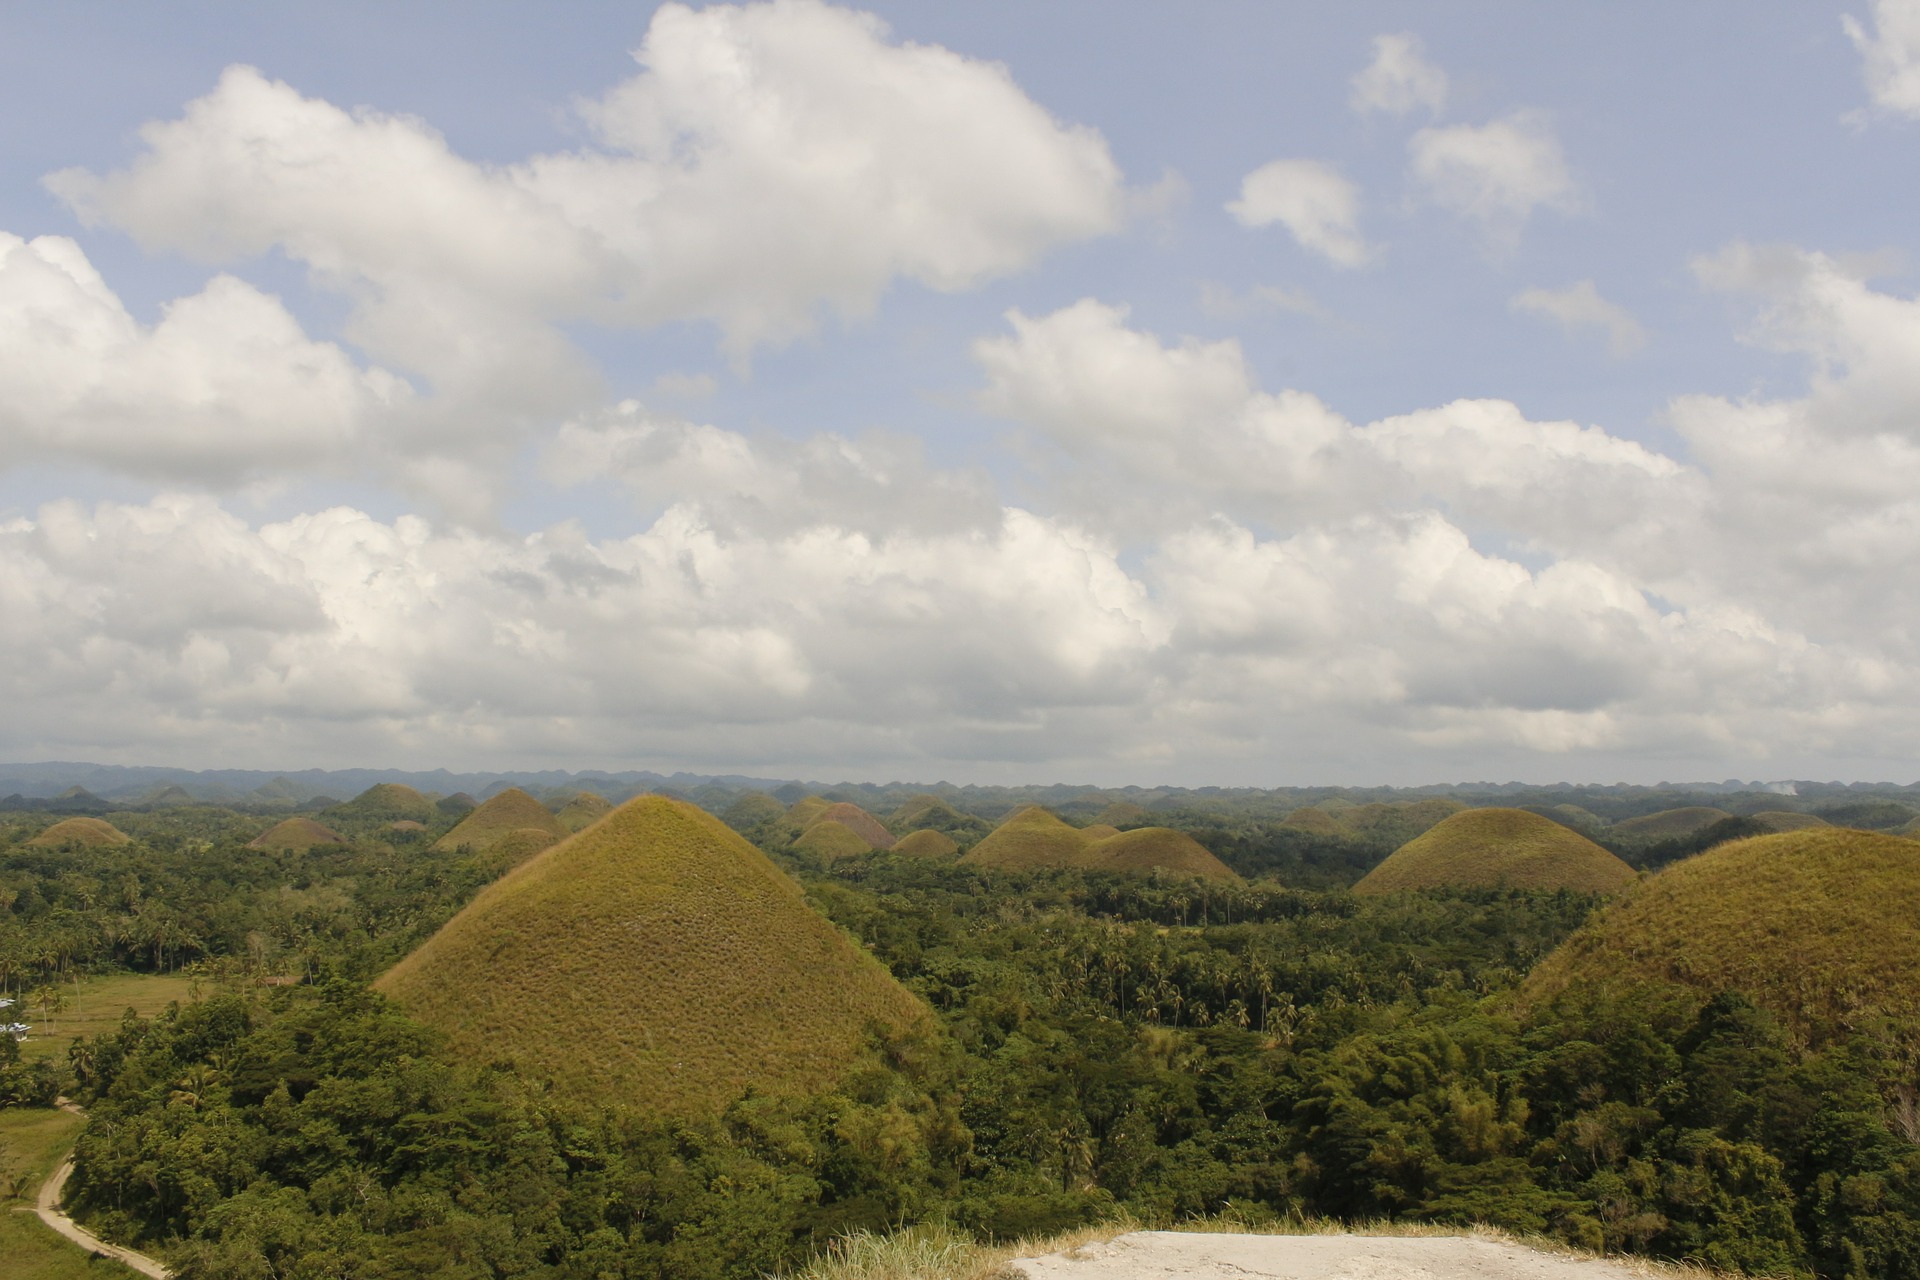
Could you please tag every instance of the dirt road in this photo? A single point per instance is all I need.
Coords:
(48, 1209)
(1181, 1255)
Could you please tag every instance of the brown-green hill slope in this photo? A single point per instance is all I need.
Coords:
(1033, 837)
(297, 835)
(1817, 926)
(831, 839)
(1314, 819)
(1122, 814)
(806, 811)
(387, 802)
(858, 820)
(1669, 823)
(931, 813)
(78, 833)
(656, 959)
(581, 812)
(925, 843)
(511, 811)
(1499, 848)
(752, 808)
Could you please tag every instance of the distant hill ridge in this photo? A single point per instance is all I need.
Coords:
(655, 960)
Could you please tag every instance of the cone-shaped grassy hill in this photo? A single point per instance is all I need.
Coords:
(297, 835)
(831, 839)
(510, 811)
(1817, 926)
(1314, 819)
(81, 833)
(925, 843)
(655, 959)
(751, 809)
(1033, 837)
(1499, 849)
(583, 811)
(1029, 837)
(388, 802)
(931, 813)
(858, 820)
(806, 811)
(456, 804)
(1670, 823)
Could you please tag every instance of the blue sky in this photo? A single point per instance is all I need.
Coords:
(1545, 417)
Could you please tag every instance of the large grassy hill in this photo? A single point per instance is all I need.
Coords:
(1817, 926)
(81, 833)
(513, 810)
(1499, 848)
(657, 960)
(386, 802)
(860, 822)
(1032, 837)
(581, 812)
(297, 835)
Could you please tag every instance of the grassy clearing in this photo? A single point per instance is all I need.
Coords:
(1499, 849)
(90, 833)
(32, 1142)
(1034, 837)
(95, 1005)
(507, 814)
(656, 959)
(939, 1253)
(1817, 926)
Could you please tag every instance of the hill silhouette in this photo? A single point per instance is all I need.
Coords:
(455, 805)
(926, 843)
(657, 960)
(1783, 820)
(1033, 837)
(859, 821)
(585, 809)
(1499, 848)
(830, 838)
(387, 802)
(1669, 823)
(297, 835)
(1122, 814)
(1816, 926)
(513, 810)
(80, 833)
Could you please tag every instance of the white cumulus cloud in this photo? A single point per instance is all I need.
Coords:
(1580, 306)
(1890, 54)
(1312, 200)
(1399, 79)
(1497, 173)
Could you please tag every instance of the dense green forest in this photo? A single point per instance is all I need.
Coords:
(1167, 1047)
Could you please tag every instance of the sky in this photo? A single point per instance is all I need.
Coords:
(1246, 394)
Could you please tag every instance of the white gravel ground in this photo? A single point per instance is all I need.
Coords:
(1164, 1255)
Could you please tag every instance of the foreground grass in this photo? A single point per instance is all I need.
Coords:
(940, 1253)
(95, 1005)
(32, 1142)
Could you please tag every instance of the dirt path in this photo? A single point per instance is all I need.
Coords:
(1182, 1255)
(48, 1209)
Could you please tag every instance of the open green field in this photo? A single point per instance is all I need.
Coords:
(96, 1005)
(32, 1142)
